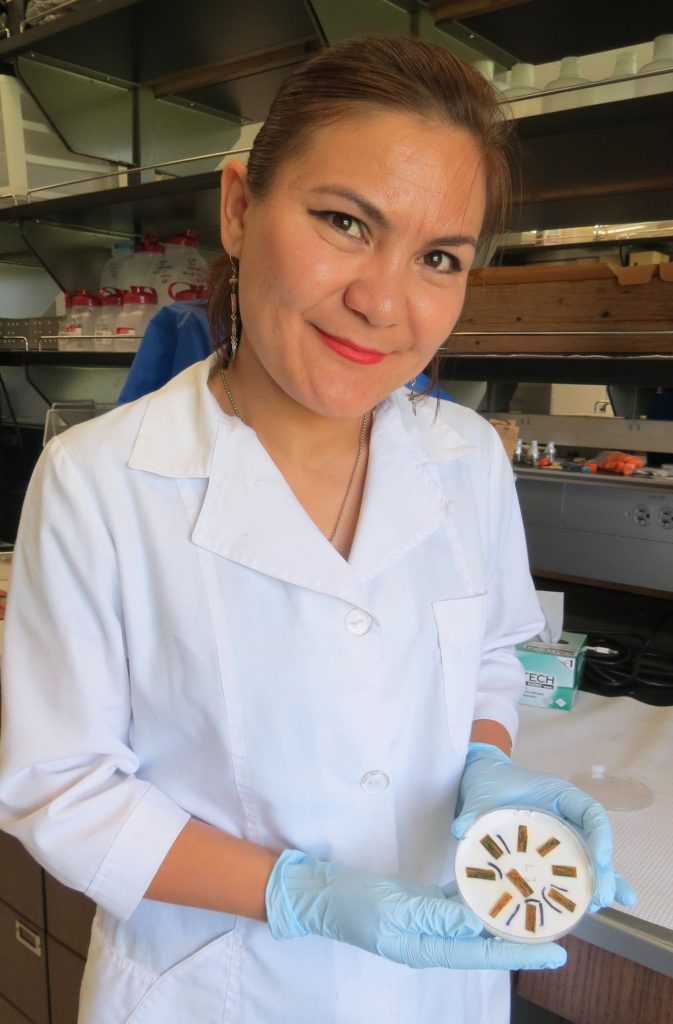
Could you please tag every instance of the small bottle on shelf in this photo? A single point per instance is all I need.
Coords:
(139, 304)
(79, 323)
(106, 325)
(181, 262)
(138, 270)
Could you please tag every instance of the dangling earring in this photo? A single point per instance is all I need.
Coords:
(413, 397)
(233, 282)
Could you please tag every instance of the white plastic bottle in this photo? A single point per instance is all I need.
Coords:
(79, 324)
(662, 58)
(181, 263)
(521, 81)
(121, 252)
(106, 325)
(138, 270)
(569, 76)
(139, 304)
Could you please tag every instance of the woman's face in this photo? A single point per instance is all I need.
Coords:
(353, 267)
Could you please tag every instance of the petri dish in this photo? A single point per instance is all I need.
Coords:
(525, 873)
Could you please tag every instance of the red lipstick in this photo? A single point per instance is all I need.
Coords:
(349, 350)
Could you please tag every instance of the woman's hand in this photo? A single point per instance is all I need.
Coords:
(491, 780)
(420, 926)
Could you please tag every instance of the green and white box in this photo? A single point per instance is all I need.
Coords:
(553, 670)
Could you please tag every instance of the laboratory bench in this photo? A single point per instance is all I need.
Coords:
(620, 961)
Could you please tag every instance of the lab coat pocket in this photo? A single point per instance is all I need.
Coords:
(113, 985)
(116, 989)
(194, 989)
(460, 629)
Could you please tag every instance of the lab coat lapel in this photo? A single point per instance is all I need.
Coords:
(403, 501)
(251, 516)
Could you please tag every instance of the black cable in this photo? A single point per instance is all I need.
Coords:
(613, 668)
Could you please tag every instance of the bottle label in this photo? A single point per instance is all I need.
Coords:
(73, 329)
(125, 330)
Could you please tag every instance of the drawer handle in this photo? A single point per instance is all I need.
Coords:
(28, 938)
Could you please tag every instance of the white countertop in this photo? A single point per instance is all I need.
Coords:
(633, 744)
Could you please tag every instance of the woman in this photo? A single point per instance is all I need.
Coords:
(260, 637)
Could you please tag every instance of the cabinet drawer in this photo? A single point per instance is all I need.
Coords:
(65, 978)
(21, 884)
(10, 1015)
(23, 967)
(69, 916)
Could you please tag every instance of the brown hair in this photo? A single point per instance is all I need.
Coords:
(393, 73)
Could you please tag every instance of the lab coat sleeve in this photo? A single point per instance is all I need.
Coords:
(68, 784)
(512, 610)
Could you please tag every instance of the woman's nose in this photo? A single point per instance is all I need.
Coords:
(378, 295)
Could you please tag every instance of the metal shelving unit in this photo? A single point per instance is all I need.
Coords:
(601, 162)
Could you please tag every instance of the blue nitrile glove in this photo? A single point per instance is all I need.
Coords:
(490, 780)
(416, 925)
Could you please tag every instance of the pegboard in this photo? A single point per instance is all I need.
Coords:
(20, 334)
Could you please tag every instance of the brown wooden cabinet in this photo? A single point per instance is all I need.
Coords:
(21, 880)
(65, 977)
(10, 1015)
(23, 965)
(598, 987)
(44, 937)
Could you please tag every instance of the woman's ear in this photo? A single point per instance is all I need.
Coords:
(234, 202)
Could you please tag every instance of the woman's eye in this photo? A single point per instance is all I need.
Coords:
(345, 223)
(445, 262)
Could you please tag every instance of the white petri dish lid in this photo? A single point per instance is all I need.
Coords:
(525, 873)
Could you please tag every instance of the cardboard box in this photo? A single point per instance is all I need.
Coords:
(553, 670)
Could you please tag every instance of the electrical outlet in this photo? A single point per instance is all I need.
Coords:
(666, 518)
(642, 515)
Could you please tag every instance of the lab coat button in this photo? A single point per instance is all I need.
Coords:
(374, 782)
(357, 622)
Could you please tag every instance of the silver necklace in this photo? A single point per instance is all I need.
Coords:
(358, 456)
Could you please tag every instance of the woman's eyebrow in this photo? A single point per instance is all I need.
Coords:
(376, 215)
(367, 208)
(453, 240)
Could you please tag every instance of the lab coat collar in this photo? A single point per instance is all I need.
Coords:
(249, 514)
(403, 502)
(179, 427)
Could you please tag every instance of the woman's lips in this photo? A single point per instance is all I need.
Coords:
(349, 350)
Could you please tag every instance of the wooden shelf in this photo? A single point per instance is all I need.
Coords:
(561, 310)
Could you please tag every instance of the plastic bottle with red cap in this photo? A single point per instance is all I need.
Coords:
(180, 291)
(106, 325)
(139, 305)
(181, 262)
(79, 324)
(139, 268)
(121, 252)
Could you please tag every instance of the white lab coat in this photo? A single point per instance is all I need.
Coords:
(182, 640)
